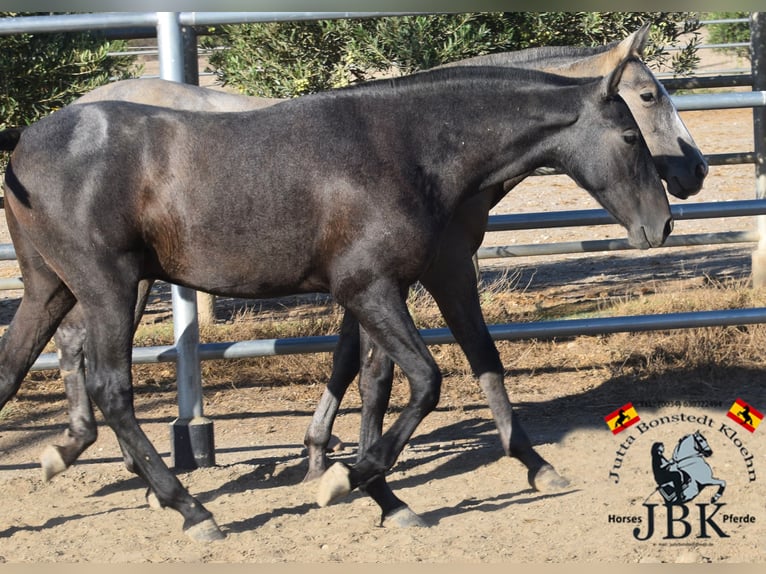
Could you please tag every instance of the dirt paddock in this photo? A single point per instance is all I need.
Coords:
(477, 502)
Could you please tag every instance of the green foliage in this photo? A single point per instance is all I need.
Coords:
(43, 72)
(729, 33)
(293, 58)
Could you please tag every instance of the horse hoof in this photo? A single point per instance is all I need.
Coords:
(403, 518)
(152, 500)
(52, 462)
(205, 531)
(334, 484)
(546, 479)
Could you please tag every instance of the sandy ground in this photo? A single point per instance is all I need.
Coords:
(477, 501)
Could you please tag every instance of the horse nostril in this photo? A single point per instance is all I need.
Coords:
(702, 170)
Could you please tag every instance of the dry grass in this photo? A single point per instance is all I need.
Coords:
(662, 357)
(504, 300)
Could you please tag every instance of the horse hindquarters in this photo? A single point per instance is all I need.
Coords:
(45, 302)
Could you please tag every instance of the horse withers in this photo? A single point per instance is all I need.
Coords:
(354, 203)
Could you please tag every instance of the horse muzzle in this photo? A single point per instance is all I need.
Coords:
(646, 237)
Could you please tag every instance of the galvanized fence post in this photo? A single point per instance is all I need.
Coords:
(758, 62)
(191, 434)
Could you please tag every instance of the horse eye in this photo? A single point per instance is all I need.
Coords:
(630, 137)
(647, 97)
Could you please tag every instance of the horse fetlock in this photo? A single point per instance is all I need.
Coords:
(205, 531)
(334, 484)
(403, 517)
(52, 462)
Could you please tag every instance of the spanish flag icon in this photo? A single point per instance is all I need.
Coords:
(622, 418)
(745, 414)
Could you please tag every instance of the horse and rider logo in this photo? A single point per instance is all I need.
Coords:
(681, 478)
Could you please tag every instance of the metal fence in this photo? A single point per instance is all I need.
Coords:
(187, 352)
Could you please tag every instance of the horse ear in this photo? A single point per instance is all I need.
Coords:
(639, 39)
(615, 59)
(611, 82)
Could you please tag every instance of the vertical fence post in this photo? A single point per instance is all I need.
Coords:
(758, 59)
(191, 434)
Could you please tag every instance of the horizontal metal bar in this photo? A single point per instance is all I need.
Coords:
(735, 158)
(10, 283)
(595, 245)
(719, 101)
(76, 22)
(718, 81)
(148, 20)
(442, 336)
(580, 217)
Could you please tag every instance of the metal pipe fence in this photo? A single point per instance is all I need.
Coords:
(187, 352)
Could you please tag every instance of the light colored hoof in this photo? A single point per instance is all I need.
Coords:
(152, 500)
(333, 484)
(403, 518)
(52, 463)
(548, 480)
(205, 531)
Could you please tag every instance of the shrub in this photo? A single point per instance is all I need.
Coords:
(292, 58)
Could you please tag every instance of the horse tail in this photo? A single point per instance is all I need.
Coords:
(9, 138)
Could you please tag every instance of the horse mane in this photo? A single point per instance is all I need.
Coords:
(527, 55)
(434, 77)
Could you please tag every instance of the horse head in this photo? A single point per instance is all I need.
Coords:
(630, 190)
(678, 160)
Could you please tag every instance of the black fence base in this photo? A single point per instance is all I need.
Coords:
(191, 443)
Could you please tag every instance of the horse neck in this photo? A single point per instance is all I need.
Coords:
(471, 135)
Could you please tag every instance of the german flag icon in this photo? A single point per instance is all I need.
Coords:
(746, 415)
(622, 418)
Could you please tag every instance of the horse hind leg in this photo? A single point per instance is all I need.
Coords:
(376, 378)
(721, 487)
(108, 323)
(45, 302)
(82, 430)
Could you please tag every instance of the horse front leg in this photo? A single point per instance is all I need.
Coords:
(451, 281)
(345, 366)
(376, 378)
(382, 312)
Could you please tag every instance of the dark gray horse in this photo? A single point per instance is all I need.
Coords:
(678, 161)
(347, 192)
